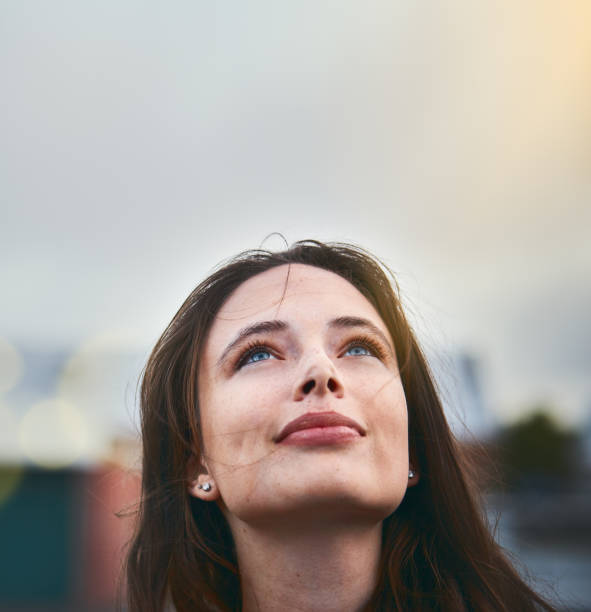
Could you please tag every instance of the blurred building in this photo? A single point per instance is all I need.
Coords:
(586, 438)
(459, 377)
(63, 534)
(67, 491)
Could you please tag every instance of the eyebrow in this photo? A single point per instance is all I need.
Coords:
(262, 327)
(265, 327)
(349, 322)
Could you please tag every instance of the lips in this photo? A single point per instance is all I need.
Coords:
(319, 420)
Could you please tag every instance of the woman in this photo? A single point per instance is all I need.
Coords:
(296, 455)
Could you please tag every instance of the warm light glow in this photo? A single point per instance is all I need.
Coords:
(100, 379)
(53, 433)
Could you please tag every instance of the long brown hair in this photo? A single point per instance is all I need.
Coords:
(437, 551)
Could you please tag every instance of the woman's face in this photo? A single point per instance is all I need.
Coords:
(301, 403)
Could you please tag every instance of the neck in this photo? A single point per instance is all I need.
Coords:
(328, 568)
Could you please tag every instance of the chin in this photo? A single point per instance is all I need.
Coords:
(330, 505)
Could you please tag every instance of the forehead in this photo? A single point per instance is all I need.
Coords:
(293, 292)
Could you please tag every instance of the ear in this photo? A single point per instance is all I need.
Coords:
(413, 475)
(200, 483)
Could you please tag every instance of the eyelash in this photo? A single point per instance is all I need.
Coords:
(365, 341)
(369, 343)
(250, 349)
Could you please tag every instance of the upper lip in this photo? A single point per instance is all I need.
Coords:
(318, 419)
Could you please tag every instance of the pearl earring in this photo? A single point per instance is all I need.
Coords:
(205, 487)
(411, 474)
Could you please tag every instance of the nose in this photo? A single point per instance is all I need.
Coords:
(320, 378)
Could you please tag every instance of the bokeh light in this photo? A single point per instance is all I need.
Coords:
(100, 379)
(53, 433)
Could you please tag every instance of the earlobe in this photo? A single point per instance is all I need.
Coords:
(413, 476)
(200, 483)
(204, 488)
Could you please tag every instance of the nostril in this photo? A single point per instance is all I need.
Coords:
(332, 385)
(308, 386)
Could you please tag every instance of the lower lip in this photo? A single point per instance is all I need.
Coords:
(321, 436)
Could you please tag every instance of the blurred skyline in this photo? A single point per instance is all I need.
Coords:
(144, 143)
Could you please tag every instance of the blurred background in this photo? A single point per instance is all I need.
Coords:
(143, 142)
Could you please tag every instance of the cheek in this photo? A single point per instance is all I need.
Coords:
(234, 423)
(383, 396)
(388, 419)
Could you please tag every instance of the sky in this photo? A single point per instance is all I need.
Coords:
(144, 142)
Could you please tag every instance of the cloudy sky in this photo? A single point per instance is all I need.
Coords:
(143, 142)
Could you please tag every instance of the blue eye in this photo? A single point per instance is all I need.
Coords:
(358, 350)
(255, 355)
(258, 356)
